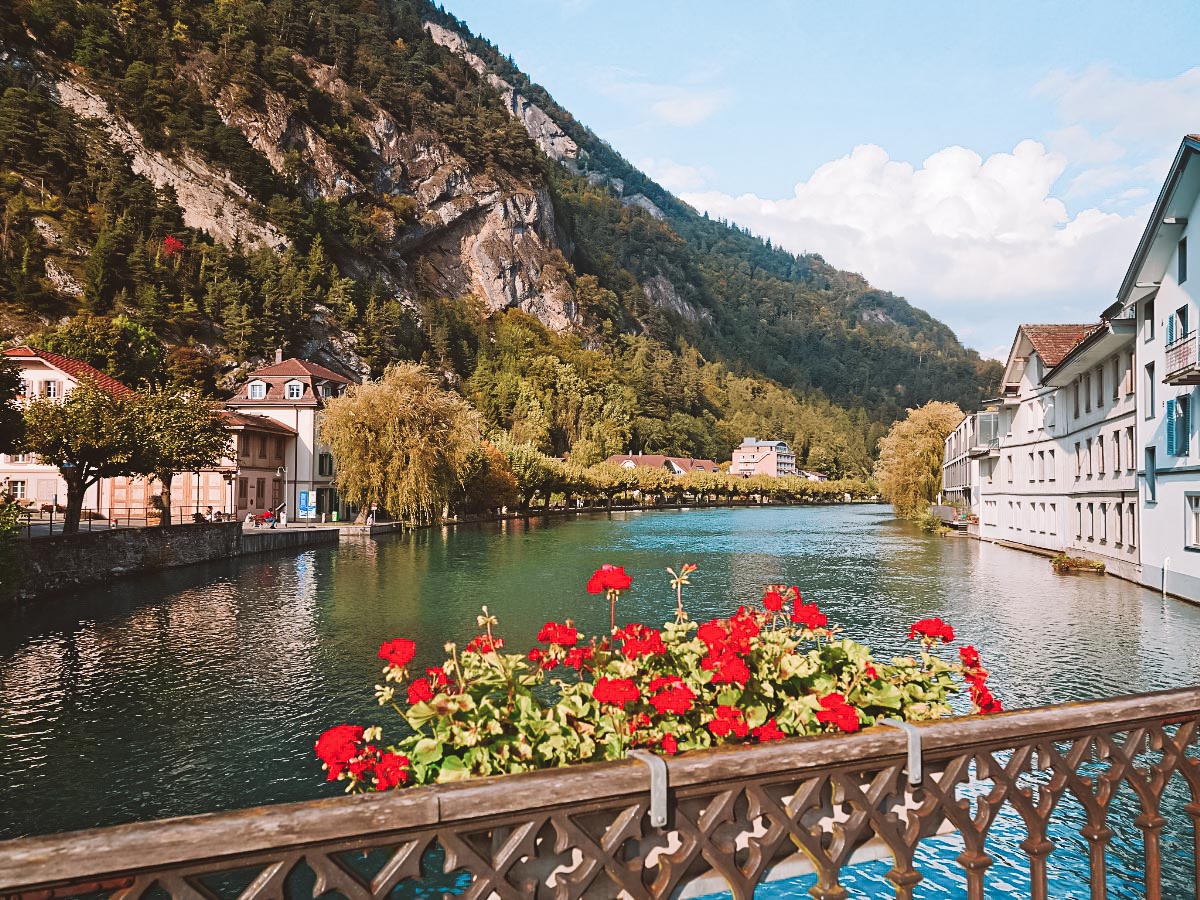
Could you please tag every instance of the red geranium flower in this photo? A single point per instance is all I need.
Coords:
(768, 731)
(969, 656)
(772, 601)
(837, 712)
(743, 626)
(419, 690)
(615, 691)
(676, 699)
(391, 770)
(437, 676)
(609, 578)
(639, 640)
(869, 671)
(728, 721)
(670, 745)
(984, 699)
(337, 746)
(713, 634)
(728, 668)
(482, 644)
(808, 615)
(932, 630)
(554, 633)
(398, 652)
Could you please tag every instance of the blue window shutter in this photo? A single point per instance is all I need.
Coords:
(1185, 425)
(1169, 418)
(1171, 329)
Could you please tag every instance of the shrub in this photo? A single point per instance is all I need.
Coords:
(1064, 564)
(756, 676)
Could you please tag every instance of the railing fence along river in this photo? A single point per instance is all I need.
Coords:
(735, 817)
(202, 690)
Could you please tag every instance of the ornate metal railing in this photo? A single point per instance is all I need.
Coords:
(736, 817)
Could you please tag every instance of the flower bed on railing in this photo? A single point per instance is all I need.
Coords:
(756, 676)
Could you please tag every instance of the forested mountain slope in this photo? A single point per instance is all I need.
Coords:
(187, 187)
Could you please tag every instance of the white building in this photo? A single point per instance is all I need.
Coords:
(48, 375)
(293, 392)
(755, 457)
(1062, 479)
(1157, 289)
(970, 449)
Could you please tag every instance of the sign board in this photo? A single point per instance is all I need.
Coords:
(308, 504)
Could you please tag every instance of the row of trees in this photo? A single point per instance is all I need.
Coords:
(405, 444)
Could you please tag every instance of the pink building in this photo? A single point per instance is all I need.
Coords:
(755, 457)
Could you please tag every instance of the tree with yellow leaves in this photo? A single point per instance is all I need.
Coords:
(909, 468)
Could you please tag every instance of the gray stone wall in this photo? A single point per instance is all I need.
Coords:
(75, 560)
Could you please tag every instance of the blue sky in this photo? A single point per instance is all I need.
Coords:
(992, 163)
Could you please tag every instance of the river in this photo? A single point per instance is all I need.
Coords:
(203, 689)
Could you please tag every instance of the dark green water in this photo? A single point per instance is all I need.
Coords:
(204, 689)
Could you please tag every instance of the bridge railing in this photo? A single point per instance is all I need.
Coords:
(736, 817)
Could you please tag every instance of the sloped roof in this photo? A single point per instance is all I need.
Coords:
(1053, 342)
(262, 423)
(659, 460)
(75, 368)
(300, 368)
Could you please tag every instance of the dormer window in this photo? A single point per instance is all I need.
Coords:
(257, 390)
(295, 390)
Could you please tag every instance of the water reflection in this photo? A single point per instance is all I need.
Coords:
(203, 689)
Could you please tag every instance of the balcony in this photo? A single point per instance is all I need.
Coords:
(984, 449)
(1181, 364)
(724, 819)
(987, 436)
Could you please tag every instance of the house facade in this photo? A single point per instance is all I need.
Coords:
(970, 449)
(1061, 477)
(676, 465)
(1160, 295)
(293, 392)
(755, 457)
(49, 376)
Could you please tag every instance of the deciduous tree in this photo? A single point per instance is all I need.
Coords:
(401, 442)
(909, 468)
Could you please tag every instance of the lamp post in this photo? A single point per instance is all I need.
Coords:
(282, 472)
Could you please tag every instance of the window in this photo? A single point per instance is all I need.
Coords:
(1099, 387)
(1052, 526)
(1179, 426)
(1181, 260)
(1009, 462)
(1151, 476)
(1017, 518)
(1078, 521)
(279, 448)
(260, 491)
(1032, 472)
(1075, 398)
(1177, 325)
(1100, 453)
(1148, 321)
(1130, 462)
(262, 446)
(1087, 392)
(1091, 521)
(1116, 377)
(1131, 519)
(327, 390)
(16, 490)
(325, 464)
(1048, 412)
(258, 390)
(1050, 466)
(243, 490)
(1193, 521)
(1104, 523)
(50, 390)
(1148, 390)
(1041, 465)
(1116, 445)
(1129, 372)
(1119, 521)
(1010, 515)
(1090, 462)
(295, 390)
(276, 492)
(1078, 460)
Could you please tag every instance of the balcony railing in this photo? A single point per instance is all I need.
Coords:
(1075, 774)
(1181, 363)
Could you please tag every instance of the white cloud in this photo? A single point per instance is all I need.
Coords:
(979, 243)
(676, 176)
(689, 102)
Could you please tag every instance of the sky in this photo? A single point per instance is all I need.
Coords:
(992, 163)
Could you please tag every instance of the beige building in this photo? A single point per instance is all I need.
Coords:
(676, 465)
(48, 375)
(755, 457)
(293, 392)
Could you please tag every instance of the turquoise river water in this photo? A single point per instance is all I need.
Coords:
(203, 689)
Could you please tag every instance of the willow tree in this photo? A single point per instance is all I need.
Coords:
(401, 442)
(909, 468)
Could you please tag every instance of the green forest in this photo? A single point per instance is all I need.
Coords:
(785, 346)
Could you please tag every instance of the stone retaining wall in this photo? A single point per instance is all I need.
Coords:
(268, 539)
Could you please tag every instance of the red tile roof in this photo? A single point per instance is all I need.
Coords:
(1053, 342)
(301, 368)
(75, 368)
(658, 461)
(262, 423)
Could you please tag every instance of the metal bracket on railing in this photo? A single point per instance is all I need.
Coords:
(913, 768)
(658, 785)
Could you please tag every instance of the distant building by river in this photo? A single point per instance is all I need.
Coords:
(676, 465)
(755, 457)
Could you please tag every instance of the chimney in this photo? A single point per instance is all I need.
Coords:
(278, 355)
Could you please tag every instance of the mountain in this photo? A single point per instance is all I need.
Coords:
(188, 187)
